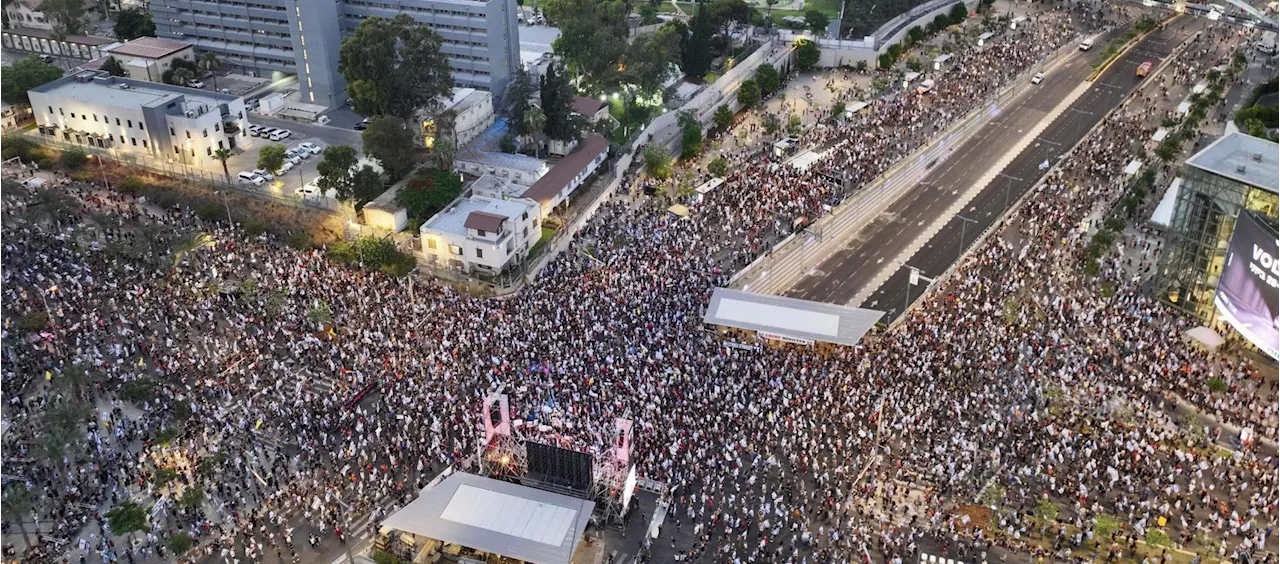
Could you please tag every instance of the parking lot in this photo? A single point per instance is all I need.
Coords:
(323, 136)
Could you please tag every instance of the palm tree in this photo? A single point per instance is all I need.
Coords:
(534, 121)
(222, 154)
(210, 63)
(445, 151)
(50, 204)
(188, 245)
(75, 380)
(18, 502)
(181, 76)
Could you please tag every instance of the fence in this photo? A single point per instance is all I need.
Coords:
(180, 171)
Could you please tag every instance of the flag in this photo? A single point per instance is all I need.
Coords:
(48, 375)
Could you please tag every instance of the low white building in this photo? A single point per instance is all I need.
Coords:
(135, 117)
(473, 113)
(568, 174)
(147, 58)
(27, 13)
(481, 235)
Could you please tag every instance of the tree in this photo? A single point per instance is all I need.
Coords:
(271, 158)
(534, 122)
(66, 16)
(180, 543)
(428, 192)
(724, 13)
(366, 184)
(113, 67)
(648, 14)
(507, 143)
(771, 124)
(794, 125)
(192, 498)
(723, 117)
(389, 140)
(557, 104)
(127, 518)
(521, 90)
(690, 134)
(748, 93)
(210, 63)
(444, 151)
(592, 37)
(28, 73)
(183, 76)
(837, 109)
(718, 167)
(768, 78)
(132, 23)
(18, 501)
(817, 22)
(394, 67)
(915, 34)
(657, 161)
(336, 171)
(697, 51)
(649, 60)
(807, 53)
(958, 13)
(222, 154)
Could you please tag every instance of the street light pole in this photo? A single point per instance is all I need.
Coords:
(964, 221)
(346, 522)
(103, 171)
(225, 204)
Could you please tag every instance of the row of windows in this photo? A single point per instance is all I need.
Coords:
(421, 10)
(105, 119)
(246, 4)
(188, 25)
(232, 17)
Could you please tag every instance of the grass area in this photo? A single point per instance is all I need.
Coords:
(829, 7)
(547, 234)
(779, 14)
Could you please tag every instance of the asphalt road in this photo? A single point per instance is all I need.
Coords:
(854, 269)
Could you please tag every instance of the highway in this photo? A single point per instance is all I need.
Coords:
(870, 270)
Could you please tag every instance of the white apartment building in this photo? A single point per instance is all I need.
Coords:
(481, 235)
(134, 117)
(147, 58)
(27, 13)
(555, 187)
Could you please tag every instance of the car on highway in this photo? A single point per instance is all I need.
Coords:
(279, 134)
(1038, 78)
(309, 147)
(250, 177)
(195, 84)
(1144, 69)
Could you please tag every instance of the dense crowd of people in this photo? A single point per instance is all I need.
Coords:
(149, 353)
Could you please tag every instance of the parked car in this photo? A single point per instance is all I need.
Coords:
(310, 147)
(280, 134)
(255, 130)
(195, 84)
(248, 177)
(252, 104)
(308, 191)
(1037, 78)
(287, 166)
(364, 123)
(264, 174)
(298, 153)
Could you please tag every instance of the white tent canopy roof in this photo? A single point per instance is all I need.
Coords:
(1206, 336)
(790, 317)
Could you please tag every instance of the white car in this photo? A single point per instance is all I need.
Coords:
(286, 167)
(280, 134)
(298, 153)
(309, 147)
(264, 174)
(195, 84)
(1038, 78)
(308, 191)
(250, 177)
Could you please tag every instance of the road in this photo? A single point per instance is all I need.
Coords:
(870, 271)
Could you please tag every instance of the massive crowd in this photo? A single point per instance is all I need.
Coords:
(1018, 386)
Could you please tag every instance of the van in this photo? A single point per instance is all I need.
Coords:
(1086, 44)
(925, 86)
(280, 134)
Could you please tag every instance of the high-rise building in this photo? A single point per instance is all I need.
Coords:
(274, 38)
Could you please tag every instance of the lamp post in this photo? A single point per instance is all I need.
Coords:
(964, 221)
(226, 205)
(914, 279)
(346, 522)
(101, 170)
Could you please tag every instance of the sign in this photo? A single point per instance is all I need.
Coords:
(786, 339)
(628, 488)
(1247, 291)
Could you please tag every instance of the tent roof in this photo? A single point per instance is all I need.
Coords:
(1163, 216)
(790, 317)
(1206, 336)
(498, 517)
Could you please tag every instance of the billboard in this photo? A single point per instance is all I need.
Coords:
(1247, 291)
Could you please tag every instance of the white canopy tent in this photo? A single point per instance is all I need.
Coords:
(1207, 337)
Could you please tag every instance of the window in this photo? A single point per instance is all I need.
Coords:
(73, 115)
(217, 127)
(171, 132)
(455, 249)
(95, 118)
(479, 253)
(140, 128)
(524, 216)
(61, 113)
(177, 150)
(51, 109)
(208, 151)
(481, 232)
(117, 121)
(188, 134)
(130, 122)
(144, 143)
(134, 141)
(205, 131)
(431, 244)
